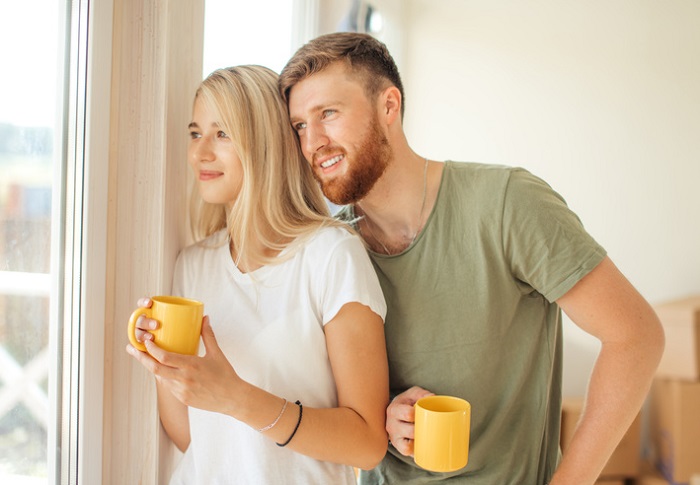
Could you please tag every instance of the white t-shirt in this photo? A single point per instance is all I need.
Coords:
(269, 324)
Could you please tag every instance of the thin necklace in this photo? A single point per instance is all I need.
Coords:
(420, 214)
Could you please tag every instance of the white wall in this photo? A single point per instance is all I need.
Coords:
(600, 98)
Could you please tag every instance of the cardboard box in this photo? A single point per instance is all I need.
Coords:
(675, 429)
(650, 475)
(681, 322)
(655, 479)
(625, 460)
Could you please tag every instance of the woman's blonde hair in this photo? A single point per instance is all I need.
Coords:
(279, 201)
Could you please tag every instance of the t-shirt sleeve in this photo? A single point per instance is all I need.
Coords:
(545, 242)
(349, 277)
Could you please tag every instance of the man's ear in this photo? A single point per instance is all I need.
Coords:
(391, 104)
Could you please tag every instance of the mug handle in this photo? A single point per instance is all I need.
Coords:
(132, 327)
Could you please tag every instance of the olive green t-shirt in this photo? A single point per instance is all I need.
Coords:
(471, 313)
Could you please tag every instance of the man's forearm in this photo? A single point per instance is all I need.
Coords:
(619, 384)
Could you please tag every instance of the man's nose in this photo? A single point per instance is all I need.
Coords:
(315, 138)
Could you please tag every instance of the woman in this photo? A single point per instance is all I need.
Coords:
(294, 387)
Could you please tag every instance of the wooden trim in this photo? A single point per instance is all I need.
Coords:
(156, 65)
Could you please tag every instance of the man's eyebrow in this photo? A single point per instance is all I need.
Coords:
(319, 107)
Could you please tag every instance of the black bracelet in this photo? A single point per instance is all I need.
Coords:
(301, 410)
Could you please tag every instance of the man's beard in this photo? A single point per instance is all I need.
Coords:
(368, 165)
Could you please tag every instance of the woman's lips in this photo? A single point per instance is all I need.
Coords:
(209, 175)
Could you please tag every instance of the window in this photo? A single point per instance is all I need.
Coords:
(244, 32)
(48, 255)
(30, 155)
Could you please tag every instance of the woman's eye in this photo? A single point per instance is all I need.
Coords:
(194, 134)
(299, 126)
(222, 134)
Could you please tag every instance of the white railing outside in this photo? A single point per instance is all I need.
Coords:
(24, 284)
(21, 384)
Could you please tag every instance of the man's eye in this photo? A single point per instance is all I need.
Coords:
(328, 112)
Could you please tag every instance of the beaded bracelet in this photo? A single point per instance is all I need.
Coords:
(301, 410)
(271, 425)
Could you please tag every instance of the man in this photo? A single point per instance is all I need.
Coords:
(476, 262)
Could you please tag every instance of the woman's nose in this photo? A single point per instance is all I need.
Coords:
(201, 151)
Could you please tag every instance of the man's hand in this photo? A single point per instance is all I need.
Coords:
(400, 419)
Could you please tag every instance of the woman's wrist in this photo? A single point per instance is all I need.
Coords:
(237, 402)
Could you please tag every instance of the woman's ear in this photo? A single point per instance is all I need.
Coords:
(391, 104)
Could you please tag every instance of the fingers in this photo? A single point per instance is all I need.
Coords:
(401, 407)
(206, 327)
(399, 426)
(412, 395)
(155, 367)
(208, 338)
(401, 411)
(162, 356)
(145, 302)
(143, 326)
(400, 418)
(404, 446)
(401, 434)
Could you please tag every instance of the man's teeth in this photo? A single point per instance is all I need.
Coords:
(332, 161)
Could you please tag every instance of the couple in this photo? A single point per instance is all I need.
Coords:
(323, 343)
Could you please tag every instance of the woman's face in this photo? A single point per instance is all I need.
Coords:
(213, 159)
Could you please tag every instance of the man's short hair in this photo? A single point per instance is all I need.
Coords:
(366, 57)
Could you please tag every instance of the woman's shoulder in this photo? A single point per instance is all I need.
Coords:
(330, 242)
(330, 236)
(205, 247)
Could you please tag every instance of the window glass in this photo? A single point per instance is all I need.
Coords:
(29, 32)
(245, 32)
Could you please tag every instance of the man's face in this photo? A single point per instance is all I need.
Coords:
(340, 134)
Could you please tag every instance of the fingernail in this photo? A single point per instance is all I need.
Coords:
(152, 324)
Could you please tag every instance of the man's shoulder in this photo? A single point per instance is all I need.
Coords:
(481, 180)
(481, 170)
(491, 179)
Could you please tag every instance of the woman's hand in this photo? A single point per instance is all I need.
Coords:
(208, 382)
(144, 324)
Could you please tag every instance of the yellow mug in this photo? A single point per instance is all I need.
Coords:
(442, 433)
(180, 324)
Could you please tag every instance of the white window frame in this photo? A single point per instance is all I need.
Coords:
(93, 289)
